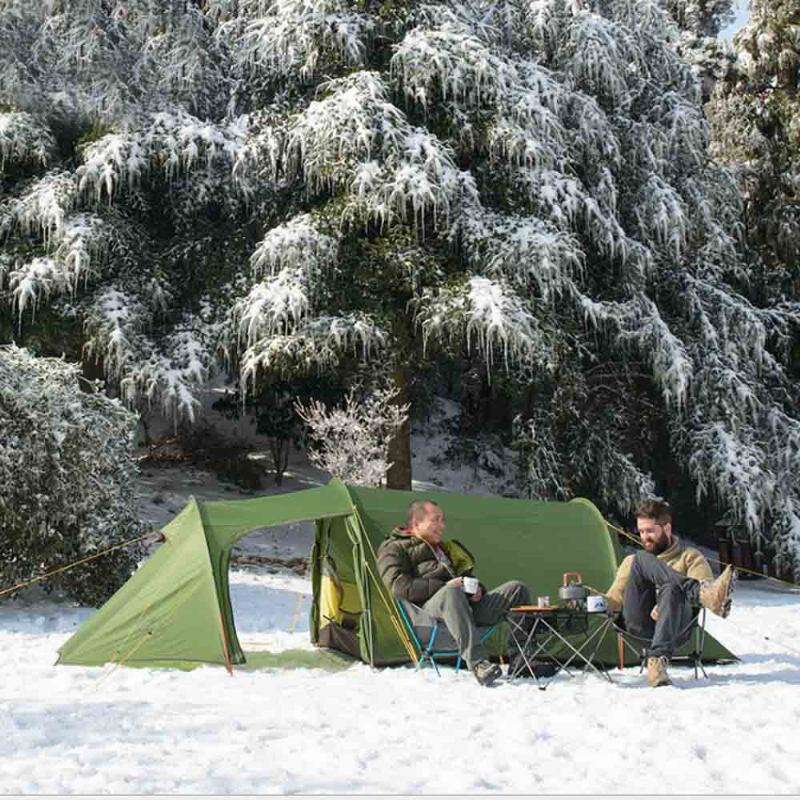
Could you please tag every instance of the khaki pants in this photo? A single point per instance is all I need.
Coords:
(462, 618)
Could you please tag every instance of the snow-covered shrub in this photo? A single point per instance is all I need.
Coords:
(351, 441)
(67, 477)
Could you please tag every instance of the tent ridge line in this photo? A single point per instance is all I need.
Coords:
(334, 515)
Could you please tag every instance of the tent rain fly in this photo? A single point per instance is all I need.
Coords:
(175, 610)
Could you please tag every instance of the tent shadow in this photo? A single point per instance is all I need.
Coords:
(765, 659)
(685, 680)
(682, 673)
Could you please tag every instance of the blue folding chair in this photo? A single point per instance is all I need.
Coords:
(423, 627)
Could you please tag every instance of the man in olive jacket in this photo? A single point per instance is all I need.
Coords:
(658, 589)
(419, 566)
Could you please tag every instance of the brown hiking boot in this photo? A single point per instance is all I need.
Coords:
(716, 595)
(486, 673)
(657, 671)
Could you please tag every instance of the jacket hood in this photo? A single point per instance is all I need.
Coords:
(401, 533)
(461, 558)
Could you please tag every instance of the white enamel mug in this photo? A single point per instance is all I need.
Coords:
(471, 585)
(596, 603)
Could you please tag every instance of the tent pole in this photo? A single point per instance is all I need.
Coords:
(225, 645)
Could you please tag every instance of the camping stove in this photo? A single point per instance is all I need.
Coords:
(573, 592)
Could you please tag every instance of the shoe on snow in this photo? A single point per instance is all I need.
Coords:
(657, 674)
(486, 673)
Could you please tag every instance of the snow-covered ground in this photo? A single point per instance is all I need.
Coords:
(70, 730)
(67, 730)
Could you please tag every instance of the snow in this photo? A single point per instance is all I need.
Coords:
(277, 304)
(295, 37)
(489, 315)
(293, 244)
(69, 730)
(496, 318)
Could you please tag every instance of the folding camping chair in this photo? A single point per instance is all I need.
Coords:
(439, 642)
(697, 636)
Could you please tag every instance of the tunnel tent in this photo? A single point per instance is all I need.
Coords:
(175, 610)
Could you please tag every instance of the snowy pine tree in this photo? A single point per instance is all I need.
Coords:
(755, 118)
(294, 183)
(697, 24)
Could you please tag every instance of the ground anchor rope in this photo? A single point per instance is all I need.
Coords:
(59, 570)
(638, 543)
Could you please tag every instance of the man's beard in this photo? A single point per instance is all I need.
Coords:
(660, 546)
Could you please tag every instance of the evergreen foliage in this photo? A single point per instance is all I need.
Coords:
(67, 478)
(295, 183)
(755, 119)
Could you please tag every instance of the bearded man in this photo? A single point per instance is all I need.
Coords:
(659, 589)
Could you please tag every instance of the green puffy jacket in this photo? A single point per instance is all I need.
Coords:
(412, 572)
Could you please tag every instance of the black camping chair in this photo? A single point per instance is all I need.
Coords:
(438, 641)
(696, 630)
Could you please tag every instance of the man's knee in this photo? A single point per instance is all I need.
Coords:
(643, 558)
(643, 566)
(669, 591)
(510, 593)
(518, 592)
(453, 594)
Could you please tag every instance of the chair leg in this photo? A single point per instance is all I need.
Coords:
(458, 665)
(620, 652)
(699, 642)
(429, 649)
(697, 663)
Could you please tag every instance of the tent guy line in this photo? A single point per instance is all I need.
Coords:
(793, 586)
(86, 559)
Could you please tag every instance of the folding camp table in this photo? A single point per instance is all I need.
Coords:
(543, 631)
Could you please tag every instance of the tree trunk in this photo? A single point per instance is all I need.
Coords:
(398, 476)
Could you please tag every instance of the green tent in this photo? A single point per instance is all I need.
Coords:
(176, 610)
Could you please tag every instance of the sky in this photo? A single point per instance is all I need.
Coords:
(742, 8)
